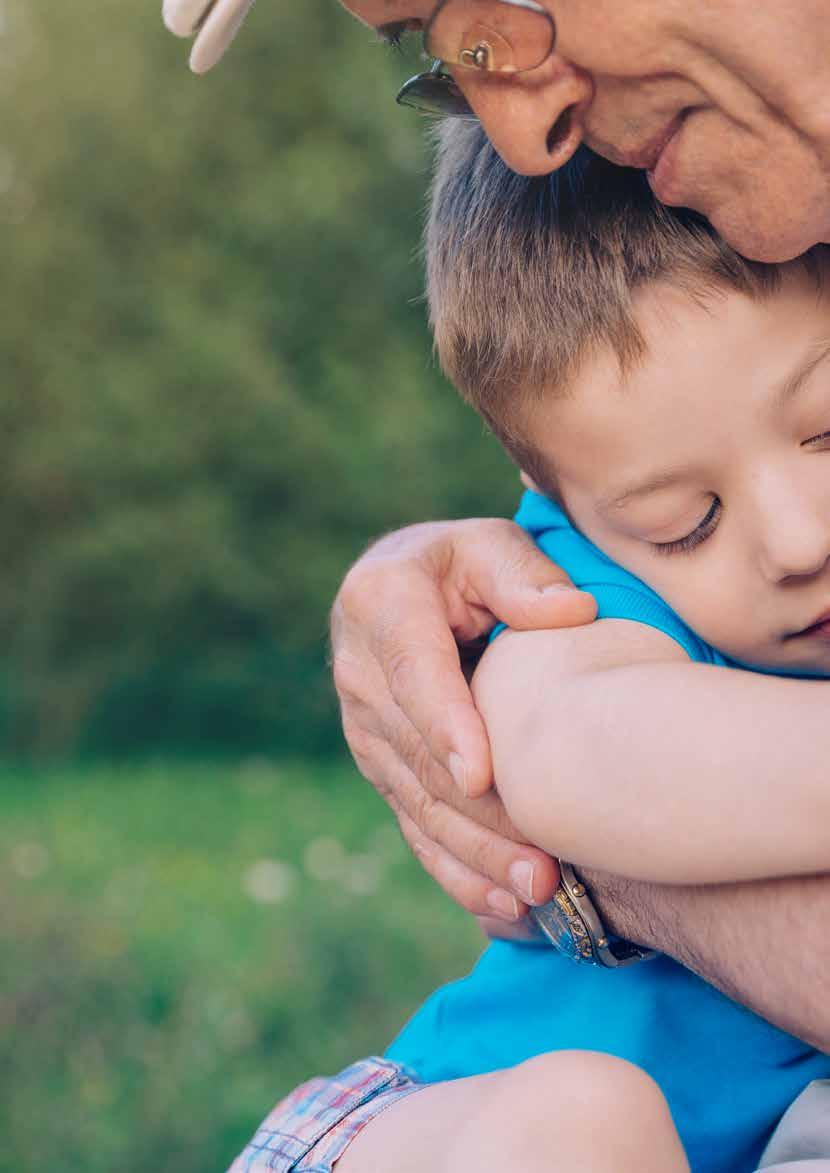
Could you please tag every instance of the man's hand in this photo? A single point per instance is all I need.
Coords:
(214, 23)
(408, 715)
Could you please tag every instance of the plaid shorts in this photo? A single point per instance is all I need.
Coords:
(310, 1129)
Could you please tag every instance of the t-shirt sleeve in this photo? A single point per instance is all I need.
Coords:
(619, 595)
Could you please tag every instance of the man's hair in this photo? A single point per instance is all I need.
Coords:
(526, 276)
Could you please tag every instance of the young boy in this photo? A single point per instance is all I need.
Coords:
(671, 404)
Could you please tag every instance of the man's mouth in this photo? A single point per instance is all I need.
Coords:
(647, 155)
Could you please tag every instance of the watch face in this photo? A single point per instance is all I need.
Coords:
(562, 925)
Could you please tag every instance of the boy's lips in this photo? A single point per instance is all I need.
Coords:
(820, 627)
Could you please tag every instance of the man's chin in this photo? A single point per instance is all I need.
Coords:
(758, 237)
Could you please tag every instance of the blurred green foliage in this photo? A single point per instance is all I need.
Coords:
(182, 946)
(217, 382)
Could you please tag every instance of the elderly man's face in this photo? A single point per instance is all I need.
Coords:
(726, 103)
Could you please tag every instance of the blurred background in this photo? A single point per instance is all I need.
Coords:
(217, 387)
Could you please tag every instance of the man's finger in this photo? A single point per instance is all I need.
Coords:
(394, 648)
(508, 575)
(465, 836)
(420, 662)
(465, 887)
(374, 725)
(492, 572)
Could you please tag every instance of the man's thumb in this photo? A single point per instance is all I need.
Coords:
(524, 589)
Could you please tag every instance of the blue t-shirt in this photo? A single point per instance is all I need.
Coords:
(728, 1075)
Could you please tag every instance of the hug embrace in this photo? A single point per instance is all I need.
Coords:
(669, 402)
(661, 377)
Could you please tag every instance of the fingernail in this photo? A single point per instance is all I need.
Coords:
(504, 904)
(556, 588)
(458, 769)
(521, 877)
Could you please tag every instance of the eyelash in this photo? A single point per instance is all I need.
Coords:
(698, 535)
(709, 523)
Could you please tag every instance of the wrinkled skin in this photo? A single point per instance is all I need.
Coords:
(736, 91)
(407, 711)
(750, 80)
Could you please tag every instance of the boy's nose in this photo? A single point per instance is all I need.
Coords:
(799, 545)
(534, 120)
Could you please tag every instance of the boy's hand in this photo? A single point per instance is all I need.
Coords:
(214, 23)
(408, 715)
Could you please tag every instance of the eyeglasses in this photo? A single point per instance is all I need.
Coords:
(486, 36)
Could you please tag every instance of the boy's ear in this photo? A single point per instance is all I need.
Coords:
(529, 483)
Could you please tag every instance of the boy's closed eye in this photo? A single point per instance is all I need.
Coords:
(697, 536)
(709, 522)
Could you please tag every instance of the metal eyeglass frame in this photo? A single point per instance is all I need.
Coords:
(435, 92)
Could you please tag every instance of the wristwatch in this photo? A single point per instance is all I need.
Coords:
(572, 924)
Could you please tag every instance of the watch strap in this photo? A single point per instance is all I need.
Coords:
(591, 942)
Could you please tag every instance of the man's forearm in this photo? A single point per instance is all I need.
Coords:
(764, 944)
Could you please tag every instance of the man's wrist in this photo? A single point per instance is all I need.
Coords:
(628, 907)
(572, 922)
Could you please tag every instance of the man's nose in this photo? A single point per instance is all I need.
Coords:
(534, 120)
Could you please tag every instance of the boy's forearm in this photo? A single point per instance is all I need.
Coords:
(764, 944)
(671, 772)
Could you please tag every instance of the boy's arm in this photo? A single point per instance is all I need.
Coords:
(613, 750)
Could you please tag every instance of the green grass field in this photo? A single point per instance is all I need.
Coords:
(181, 944)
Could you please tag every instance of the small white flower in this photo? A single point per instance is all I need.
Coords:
(363, 874)
(325, 859)
(269, 881)
(386, 841)
(29, 860)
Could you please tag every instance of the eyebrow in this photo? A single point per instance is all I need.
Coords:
(664, 480)
(791, 386)
(785, 393)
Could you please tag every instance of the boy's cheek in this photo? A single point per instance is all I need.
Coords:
(715, 615)
(724, 622)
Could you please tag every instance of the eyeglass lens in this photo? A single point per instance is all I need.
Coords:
(436, 95)
(493, 36)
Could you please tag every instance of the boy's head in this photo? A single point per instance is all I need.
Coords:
(674, 397)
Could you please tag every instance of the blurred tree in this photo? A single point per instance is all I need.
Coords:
(217, 379)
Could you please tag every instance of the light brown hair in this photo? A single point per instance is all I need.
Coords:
(526, 276)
